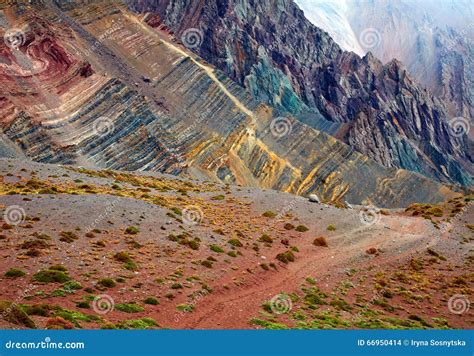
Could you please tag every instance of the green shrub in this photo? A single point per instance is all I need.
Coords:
(14, 314)
(51, 276)
(151, 301)
(301, 228)
(286, 257)
(331, 228)
(58, 268)
(83, 305)
(72, 285)
(266, 238)
(143, 323)
(269, 214)
(129, 307)
(235, 242)
(185, 308)
(216, 248)
(14, 273)
(106, 283)
(68, 236)
(132, 230)
(206, 263)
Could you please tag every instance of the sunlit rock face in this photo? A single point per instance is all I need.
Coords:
(94, 84)
(379, 110)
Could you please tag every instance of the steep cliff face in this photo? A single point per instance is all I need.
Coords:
(379, 110)
(92, 84)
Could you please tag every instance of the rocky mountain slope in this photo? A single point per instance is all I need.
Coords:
(432, 38)
(275, 52)
(92, 84)
(83, 248)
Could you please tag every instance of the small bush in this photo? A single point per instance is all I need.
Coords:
(301, 228)
(68, 236)
(72, 285)
(218, 197)
(14, 273)
(122, 256)
(106, 283)
(286, 257)
(176, 286)
(206, 263)
(187, 308)
(14, 314)
(216, 248)
(320, 241)
(151, 301)
(58, 268)
(265, 238)
(34, 244)
(235, 242)
(143, 323)
(129, 307)
(331, 228)
(269, 214)
(288, 226)
(51, 276)
(132, 230)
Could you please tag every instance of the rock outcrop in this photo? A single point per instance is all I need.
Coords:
(379, 110)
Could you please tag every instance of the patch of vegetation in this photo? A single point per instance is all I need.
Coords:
(72, 285)
(218, 197)
(265, 238)
(206, 263)
(331, 228)
(151, 301)
(13, 313)
(176, 286)
(14, 273)
(128, 263)
(34, 244)
(143, 323)
(310, 280)
(68, 236)
(106, 283)
(129, 307)
(269, 214)
(235, 242)
(74, 316)
(288, 226)
(314, 297)
(301, 228)
(187, 308)
(83, 305)
(51, 276)
(268, 324)
(132, 230)
(320, 241)
(216, 248)
(286, 257)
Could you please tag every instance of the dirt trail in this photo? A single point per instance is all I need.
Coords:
(235, 307)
